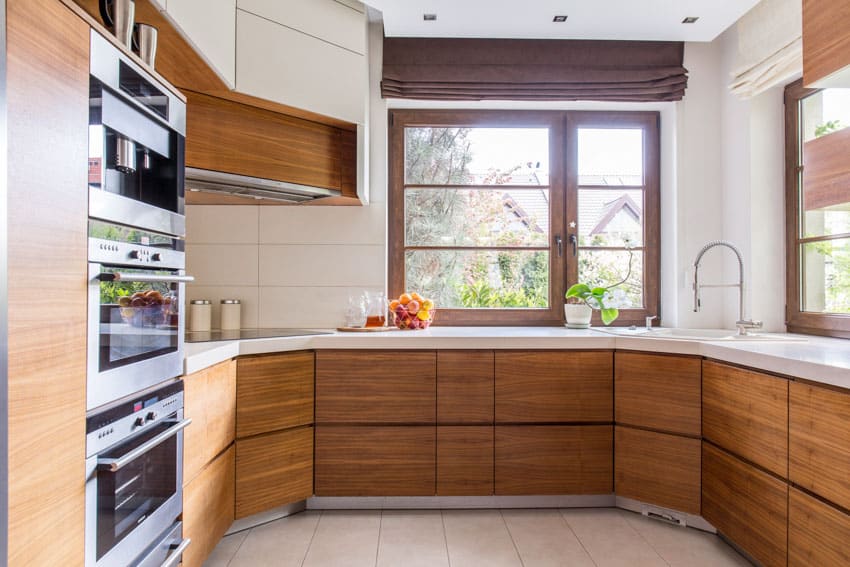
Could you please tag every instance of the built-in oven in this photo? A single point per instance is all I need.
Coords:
(134, 478)
(136, 319)
(137, 129)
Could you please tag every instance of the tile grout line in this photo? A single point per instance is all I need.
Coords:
(510, 535)
(578, 539)
(378, 544)
(445, 537)
(643, 537)
(241, 543)
(312, 537)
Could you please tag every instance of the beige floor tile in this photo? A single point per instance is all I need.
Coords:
(686, 547)
(412, 538)
(544, 539)
(610, 540)
(348, 538)
(225, 550)
(282, 543)
(479, 538)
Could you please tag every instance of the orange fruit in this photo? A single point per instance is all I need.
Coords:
(415, 296)
(393, 304)
(404, 298)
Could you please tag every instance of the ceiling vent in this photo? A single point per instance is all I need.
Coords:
(690, 20)
(429, 17)
(559, 19)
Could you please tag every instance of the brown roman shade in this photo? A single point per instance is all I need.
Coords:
(533, 69)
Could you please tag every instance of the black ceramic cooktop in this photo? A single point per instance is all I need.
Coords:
(240, 334)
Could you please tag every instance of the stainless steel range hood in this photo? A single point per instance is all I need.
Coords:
(209, 181)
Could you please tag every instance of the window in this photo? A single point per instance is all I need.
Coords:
(817, 124)
(494, 214)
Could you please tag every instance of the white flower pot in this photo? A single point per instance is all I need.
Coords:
(578, 315)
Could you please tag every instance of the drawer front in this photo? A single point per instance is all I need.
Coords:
(376, 387)
(658, 468)
(746, 413)
(208, 505)
(747, 505)
(464, 460)
(273, 470)
(554, 386)
(658, 392)
(210, 401)
(274, 392)
(817, 533)
(465, 383)
(554, 459)
(820, 441)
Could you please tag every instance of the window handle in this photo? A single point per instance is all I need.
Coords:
(574, 242)
(559, 243)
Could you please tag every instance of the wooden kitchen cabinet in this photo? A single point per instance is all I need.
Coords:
(657, 468)
(209, 401)
(817, 532)
(746, 413)
(745, 504)
(464, 460)
(554, 459)
(826, 43)
(819, 441)
(273, 469)
(274, 392)
(208, 507)
(656, 391)
(554, 386)
(375, 460)
(376, 387)
(465, 382)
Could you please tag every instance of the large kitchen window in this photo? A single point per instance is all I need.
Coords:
(495, 214)
(818, 210)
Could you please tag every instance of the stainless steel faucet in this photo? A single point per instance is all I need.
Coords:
(743, 324)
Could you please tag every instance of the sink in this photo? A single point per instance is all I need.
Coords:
(695, 334)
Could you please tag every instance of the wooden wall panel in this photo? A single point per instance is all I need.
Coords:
(464, 460)
(465, 386)
(208, 507)
(47, 89)
(554, 386)
(210, 401)
(818, 534)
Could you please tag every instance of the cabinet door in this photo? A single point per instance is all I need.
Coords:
(746, 413)
(554, 459)
(212, 28)
(464, 460)
(747, 505)
(465, 386)
(376, 387)
(274, 392)
(826, 45)
(554, 386)
(817, 533)
(375, 461)
(657, 468)
(208, 502)
(210, 401)
(658, 392)
(820, 441)
(273, 470)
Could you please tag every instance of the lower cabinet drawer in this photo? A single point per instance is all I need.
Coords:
(464, 460)
(818, 534)
(745, 504)
(375, 460)
(554, 459)
(273, 469)
(658, 468)
(208, 502)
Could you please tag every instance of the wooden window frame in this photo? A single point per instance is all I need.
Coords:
(563, 186)
(797, 320)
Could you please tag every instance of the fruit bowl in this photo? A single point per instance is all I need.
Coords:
(407, 322)
(411, 312)
(145, 308)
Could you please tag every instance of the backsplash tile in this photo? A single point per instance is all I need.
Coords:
(322, 265)
(323, 225)
(223, 264)
(222, 224)
(311, 307)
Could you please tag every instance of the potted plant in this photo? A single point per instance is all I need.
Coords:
(582, 299)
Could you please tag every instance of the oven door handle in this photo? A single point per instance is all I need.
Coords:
(152, 278)
(113, 465)
(177, 554)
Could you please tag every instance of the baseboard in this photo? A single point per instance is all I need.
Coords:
(249, 522)
(664, 514)
(457, 502)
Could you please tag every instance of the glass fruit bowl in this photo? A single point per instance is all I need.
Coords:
(407, 321)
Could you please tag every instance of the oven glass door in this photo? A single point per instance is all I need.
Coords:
(129, 495)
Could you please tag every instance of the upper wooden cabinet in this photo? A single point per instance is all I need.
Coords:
(210, 402)
(554, 386)
(826, 43)
(746, 413)
(465, 386)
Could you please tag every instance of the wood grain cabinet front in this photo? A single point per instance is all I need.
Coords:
(746, 413)
(817, 532)
(464, 460)
(826, 43)
(465, 387)
(210, 401)
(554, 386)
(745, 504)
(208, 507)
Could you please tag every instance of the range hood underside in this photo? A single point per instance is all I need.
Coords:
(208, 181)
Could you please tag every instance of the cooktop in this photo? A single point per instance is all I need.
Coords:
(241, 334)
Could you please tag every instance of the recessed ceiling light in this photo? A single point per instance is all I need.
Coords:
(429, 17)
(690, 20)
(559, 19)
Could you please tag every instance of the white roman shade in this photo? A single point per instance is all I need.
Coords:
(770, 47)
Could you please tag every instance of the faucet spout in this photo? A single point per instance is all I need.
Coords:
(742, 324)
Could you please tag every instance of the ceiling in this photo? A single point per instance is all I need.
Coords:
(587, 19)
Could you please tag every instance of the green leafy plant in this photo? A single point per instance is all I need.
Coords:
(595, 297)
(827, 128)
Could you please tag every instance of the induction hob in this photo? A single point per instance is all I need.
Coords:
(241, 334)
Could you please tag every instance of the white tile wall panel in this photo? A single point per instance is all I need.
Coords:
(222, 224)
(321, 265)
(223, 264)
(323, 225)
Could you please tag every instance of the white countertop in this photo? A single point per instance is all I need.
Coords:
(823, 360)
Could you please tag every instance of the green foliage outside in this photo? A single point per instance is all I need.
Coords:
(835, 275)
(828, 128)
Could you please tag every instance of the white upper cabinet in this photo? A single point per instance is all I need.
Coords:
(211, 28)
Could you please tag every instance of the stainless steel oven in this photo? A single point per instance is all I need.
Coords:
(136, 319)
(134, 479)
